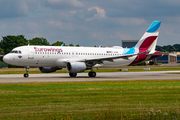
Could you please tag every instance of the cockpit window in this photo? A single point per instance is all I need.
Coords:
(16, 51)
(13, 51)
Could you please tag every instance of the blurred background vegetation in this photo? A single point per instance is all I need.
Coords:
(9, 42)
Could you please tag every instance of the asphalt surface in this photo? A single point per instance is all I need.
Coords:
(83, 77)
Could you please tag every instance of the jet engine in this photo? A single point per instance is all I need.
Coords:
(48, 69)
(76, 67)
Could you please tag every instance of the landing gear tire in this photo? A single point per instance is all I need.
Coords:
(72, 74)
(26, 75)
(92, 74)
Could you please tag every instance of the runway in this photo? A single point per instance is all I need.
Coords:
(83, 77)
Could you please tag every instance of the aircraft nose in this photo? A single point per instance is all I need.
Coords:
(6, 58)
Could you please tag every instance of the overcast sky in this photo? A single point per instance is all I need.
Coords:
(90, 22)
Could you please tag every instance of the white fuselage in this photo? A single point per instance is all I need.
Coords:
(58, 56)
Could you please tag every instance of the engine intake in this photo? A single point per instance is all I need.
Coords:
(48, 69)
(76, 67)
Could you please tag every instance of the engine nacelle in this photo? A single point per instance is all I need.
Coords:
(76, 67)
(48, 69)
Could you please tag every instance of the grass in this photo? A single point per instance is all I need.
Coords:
(130, 69)
(128, 100)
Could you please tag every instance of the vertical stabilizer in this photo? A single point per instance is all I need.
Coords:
(149, 39)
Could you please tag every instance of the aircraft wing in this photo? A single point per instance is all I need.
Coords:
(110, 58)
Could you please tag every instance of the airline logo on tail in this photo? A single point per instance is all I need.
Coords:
(148, 40)
(146, 43)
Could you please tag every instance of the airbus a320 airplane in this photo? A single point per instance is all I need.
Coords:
(78, 59)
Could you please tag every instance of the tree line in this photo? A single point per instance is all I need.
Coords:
(169, 48)
(9, 42)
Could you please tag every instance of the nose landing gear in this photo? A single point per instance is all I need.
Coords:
(26, 75)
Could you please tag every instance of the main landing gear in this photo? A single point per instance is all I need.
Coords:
(92, 73)
(72, 74)
(26, 75)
